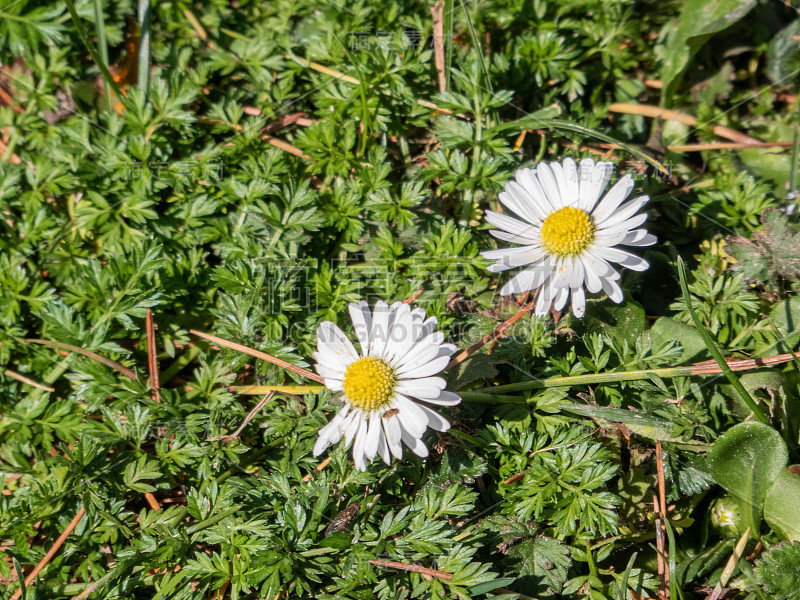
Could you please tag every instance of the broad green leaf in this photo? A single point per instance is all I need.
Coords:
(745, 461)
(618, 321)
(783, 55)
(781, 505)
(699, 20)
(667, 329)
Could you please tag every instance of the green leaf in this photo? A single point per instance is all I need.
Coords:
(654, 428)
(489, 586)
(623, 322)
(781, 504)
(783, 54)
(667, 329)
(543, 565)
(698, 21)
(745, 461)
(779, 571)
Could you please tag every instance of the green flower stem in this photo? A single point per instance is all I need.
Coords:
(574, 380)
(712, 348)
(212, 520)
(481, 397)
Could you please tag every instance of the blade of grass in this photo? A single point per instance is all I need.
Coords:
(180, 363)
(576, 128)
(107, 77)
(673, 115)
(477, 45)
(674, 592)
(714, 351)
(143, 14)
(212, 520)
(102, 46)
(623, 588)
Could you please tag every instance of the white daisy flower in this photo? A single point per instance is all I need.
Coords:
(400, 354)
(568, 238)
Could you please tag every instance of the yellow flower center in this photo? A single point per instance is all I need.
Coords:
(369, 383)
(567, 231)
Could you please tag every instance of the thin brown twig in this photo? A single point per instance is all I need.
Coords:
(495, 334)
(23, 379)
(726, 146)
(514, 478)
(109, 363)
(151, 500)
(437, 12)
(413, 568)
(738, 364)
(249, 417)
(673, 115)
(285, 146)
(152, 358)
(319, 468)
(258, 354)
(50, 553)
(414, 296)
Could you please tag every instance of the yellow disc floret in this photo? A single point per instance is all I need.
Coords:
(369, 383)
(567, 231)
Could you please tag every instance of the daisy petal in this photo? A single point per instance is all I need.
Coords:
(435, 366)
(571, 193)
(435, 420)
(624, 212)
(510, 224)
(379, 331)
(416, 445)
(560, 301)
(411, 416)
(374, 432)
(546, 177)
(530, 183)
(639, 237)
(444, 398)
(527, 279)
(578, 302)
(612, 289)
(330, 338)
(362, 322)
(593, 180)
(626, 259)
(612, 200)
(427, 387)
